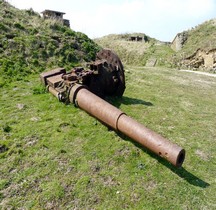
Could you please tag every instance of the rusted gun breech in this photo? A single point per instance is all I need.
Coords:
(119, 121)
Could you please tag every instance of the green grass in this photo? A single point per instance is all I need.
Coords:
(137, 53)
(202, 37)
(30, 44)
(56, 156)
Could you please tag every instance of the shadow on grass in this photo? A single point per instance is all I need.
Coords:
(117, 101)
(181, 172)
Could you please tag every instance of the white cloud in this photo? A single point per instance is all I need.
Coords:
(161, 19)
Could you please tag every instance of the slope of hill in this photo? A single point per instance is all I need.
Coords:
(29, 43)
(202, 37)
(198, 50)
(137, 52)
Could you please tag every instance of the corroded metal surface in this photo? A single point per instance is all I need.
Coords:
(95, 106)
(105, 76)
(151, 140)
(119, 121)
(117, 71)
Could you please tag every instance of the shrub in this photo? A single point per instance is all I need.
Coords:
(3, 27)
(31, 12)
(19, 26)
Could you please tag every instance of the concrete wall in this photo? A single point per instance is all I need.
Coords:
(179, 41)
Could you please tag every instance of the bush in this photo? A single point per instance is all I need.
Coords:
(19, 26)
(31, 12)
(69, 32)
(3, 27)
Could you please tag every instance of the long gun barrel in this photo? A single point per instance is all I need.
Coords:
(83, 95)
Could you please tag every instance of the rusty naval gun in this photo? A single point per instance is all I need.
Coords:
(86, 88)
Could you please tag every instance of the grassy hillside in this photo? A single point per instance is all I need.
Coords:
(55, 156)
(202, 36)
(30, 44)
(137, 53)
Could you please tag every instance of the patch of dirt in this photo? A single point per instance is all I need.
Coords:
(21, 106)
(202, 155)
(124, 151)
(35, 119)
(135, 197)
(151, 185)
(31, 140)
(110, 181)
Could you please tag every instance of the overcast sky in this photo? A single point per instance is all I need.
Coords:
(160, 19)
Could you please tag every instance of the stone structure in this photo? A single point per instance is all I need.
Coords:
(56, 15)
(151, 62)
(138, 38)
(179, 41)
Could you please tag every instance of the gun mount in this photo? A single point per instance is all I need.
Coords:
(86, 88)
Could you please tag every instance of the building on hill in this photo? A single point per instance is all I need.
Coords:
(138, 38)
(51, 14)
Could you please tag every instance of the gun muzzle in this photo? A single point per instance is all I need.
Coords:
(119, 121)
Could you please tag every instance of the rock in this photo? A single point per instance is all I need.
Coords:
(21, 106)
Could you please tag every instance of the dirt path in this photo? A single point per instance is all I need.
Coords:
(199, 72)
